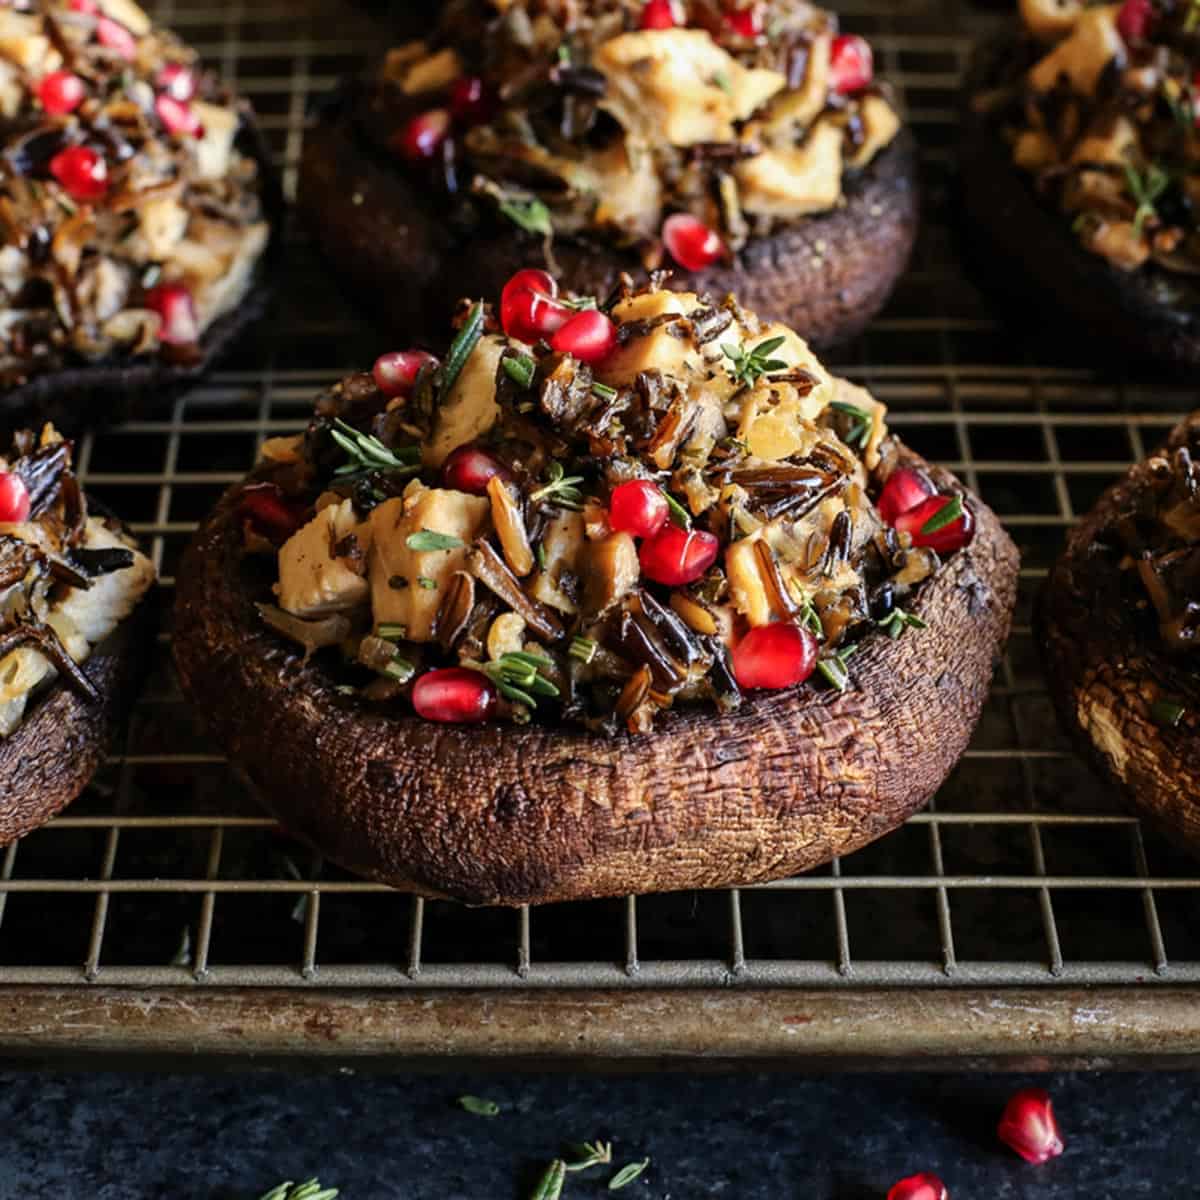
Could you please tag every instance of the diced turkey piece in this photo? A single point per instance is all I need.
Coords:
(312, 581)
(162, 224)
(1050, 20)
(470, 409)
(562, 547)
(679, 86)
(129, 14)
(794, 182)
(214, 148)
(793, 111)
(398, 596)
(1082, 57)
(22, 43)
(658, 350)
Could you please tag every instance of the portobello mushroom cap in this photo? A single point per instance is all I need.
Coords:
(1107, 667)
(1030, 259)
(828, 274)
(531, 814)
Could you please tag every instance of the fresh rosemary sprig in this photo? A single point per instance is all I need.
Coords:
(368, 453)
(460, 350)
(1147, 188)
(309, 1190)
(1167, 713)
(861, 422)
(428, 539)
(679, 514)
(392, 631)
(627, 1174)
(590, 1154)
(530, 215)
(520, 368)
(560, 488)
(603, 391)
(946, 515)
(748, 366)
(550, 1186)
(897, 621)
(583, 649)
(400, 669)
(479, 1107)
(519, 677)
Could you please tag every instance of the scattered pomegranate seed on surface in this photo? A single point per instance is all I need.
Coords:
(1135, 19)
(174, 304)
(529, 307)
(469, 469)
(638, 507)
(82, 171)
(454, 695)
(396, 372)
(660, 14)
(470, 101)
(690, 242)
(774, 656)
(925, 1186)
(945, 538)
(270, 513)
(745, 22)
(421, 139)
(177, 117)
(1028, 1126)
(904, 489)
(589, 336)
(178, 81)
(61, 92)
(116, 37)
(14, 499)
(851, 64)
(677, 556)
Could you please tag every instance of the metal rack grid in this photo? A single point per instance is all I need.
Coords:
(1024, 872)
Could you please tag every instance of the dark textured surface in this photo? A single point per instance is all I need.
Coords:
(753, 1137)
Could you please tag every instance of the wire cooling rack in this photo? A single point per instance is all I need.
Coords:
(165, 912)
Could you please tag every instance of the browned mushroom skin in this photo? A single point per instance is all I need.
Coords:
(515, 815)
(1106, 667)
(828, 274)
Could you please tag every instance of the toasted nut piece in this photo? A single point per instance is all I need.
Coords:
(694, 613)
(510, 528)
(506, 636)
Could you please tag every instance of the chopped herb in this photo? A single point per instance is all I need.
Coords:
(392, 632)
(550, 1186)
(897, 621)
(1167, 713)
(367, 453)
(1147, 188)
(750, 365)
(590, 1154)
(478, 1107)
(811, 619)
(427, 539)
(564, 54)
(520, 369)
(946, 515)
(519, 678)
(603, 391)
(311, 1190)
(400, 669)
(530, 215)
(560, 489)
(430, 585)
(626, 1175)
(461, 349)
(834, 672)
(583, 649)
(861, 422)
(540, 555)
(722, 81)
(679, 514)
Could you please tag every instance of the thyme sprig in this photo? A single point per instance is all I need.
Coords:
(1147, 188)
(748, 366)
(560, 488)
(627, 1174)
(590, 1154)
(311, 1189)
(519, 677)
(860, 424)
(898, 620)
(367, 453)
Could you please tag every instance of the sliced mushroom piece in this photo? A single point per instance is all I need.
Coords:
(611, 571)
(454, 615)
(310, 635)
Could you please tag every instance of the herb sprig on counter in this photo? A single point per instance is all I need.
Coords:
(309, 1190)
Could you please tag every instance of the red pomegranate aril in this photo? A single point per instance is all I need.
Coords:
(529, 307)
(87, 7)
(1135, 19)
(396, 372)
(82, 171)
(470, 101)
(690, 242)
(589, 336)
(117, 38)
(638, 507)
(454, 695)
(660, 14)
(61, 92)
(905, 489)
(178, 81)
(270, 513)
(1028, 1126)
(745, 22)
(174, 304)
(925, 1186)
(774, 656)
(851, 64)
(14, 499)
(945, 539)
(677, 556)
(420, 141)
(177, 117)
(469, 469)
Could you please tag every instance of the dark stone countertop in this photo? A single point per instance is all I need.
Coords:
(135, 1136)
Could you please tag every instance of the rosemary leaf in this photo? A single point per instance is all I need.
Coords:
(603, 391)
(479, 1107)
(627, 1174)
(946, 515)
(862, 421)
(520, 369)
(400, 669)
(550, 1187)
(460, 350)
(428, 539)
(583, 649)
(392, 632)
(679, 514)
(834, 672)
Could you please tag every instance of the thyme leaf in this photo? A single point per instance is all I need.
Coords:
(479, 1107)
(627, 1174)
(429, 539)
(946, 515)
(560, 488)
(309, 1190)
(550, 1186)
(530, 215)
(748, 366)
(368, 453)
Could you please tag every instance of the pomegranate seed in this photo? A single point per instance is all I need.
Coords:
(395, 373)
(174, 304)
(117, 38)
(745, 22)
(529, 308)
(421, 139)
(61, 92)
(774, 656)
(82, 171)
(851, 64)
(904, 489)
(589, 336)
(178, 81)
(469, 469)
(945, 539)
(660, 14)
(677, 556)
(925, 1186)
(470, 101)
(14, 499)
(1028, 1126)
(1135, 19)
(455, 695)
(638, 507)
(270, 513)
(177, 117)
(89, 7)
(690, 242)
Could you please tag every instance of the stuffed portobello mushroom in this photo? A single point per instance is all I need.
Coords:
(1120, 626)
(748, 146)
(652, 602)
(1081, 168)
(72, 634)
(135, 197)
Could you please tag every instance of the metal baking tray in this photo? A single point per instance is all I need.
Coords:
(1023, 917)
